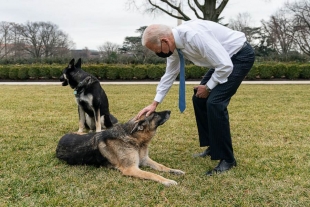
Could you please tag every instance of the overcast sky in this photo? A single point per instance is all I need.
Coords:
(91, 23)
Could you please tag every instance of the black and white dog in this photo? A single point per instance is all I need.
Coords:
(93, 104)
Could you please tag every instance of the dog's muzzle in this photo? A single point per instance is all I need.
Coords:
(63, 80)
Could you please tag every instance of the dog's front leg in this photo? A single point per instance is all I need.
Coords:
(136, 172)
(82, 119)
(156, 166)
(97, 120)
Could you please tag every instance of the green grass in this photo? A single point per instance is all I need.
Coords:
(271, 137)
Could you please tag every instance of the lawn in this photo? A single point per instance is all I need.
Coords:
(270, 131)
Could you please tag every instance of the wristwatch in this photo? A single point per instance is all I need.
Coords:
(207, 88)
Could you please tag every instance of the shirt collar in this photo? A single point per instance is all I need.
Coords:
(177, 39)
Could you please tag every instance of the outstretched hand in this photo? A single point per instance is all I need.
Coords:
(148, 110)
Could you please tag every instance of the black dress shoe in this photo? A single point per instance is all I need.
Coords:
(221, 167)
(204, 153)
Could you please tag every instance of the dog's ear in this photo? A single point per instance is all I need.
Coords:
(71, 64)
(139, 126)
(79, 63)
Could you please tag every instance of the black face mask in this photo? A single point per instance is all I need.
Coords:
(162, 54)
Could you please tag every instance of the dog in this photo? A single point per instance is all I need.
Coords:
(123, 147)
(93, 104)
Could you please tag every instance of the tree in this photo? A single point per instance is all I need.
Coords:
(44, 39)
(108, 48)
(301, 21)
(280, 31)
(242, 24)
(264, 46)
(255, 35)
(55, 42)
(17, 43)
(5, 38)
(206, 9)
(132, 45)
(109, 51)
(31, 37)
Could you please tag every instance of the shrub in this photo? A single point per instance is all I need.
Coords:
(304, 71)
(23, 73)
(112, 72)
(292, 71)
(125, 72)
(155, 72)
(102, 72)
(253, 73)
(56, 71)
(265, 71)
(92, 69)
(279, 70)
(195, 72)
(151, 71)
(44, 72)
(13, 73)
(33, 72)
(139, 72)
(4, 72)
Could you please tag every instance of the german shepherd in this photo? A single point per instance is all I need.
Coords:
(93, 104)
(124, 147)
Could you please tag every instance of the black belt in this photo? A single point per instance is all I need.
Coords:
(243, 46)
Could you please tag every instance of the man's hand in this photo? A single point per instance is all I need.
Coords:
(202, 92)
(148, 110)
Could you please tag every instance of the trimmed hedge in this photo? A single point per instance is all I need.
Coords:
(293, 72)
(253, 73)
(139, 72)
(4, 71)
(271, 70)
(279, 70)
(155, 72)
(265, 71)
(304, 71)
(23, 73)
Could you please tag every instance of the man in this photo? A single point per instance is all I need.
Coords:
(211, 45)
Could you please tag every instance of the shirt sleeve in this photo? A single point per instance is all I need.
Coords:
(215, 54)
(166, 81)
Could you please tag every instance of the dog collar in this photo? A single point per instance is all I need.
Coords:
(81, 86)
(77, 92)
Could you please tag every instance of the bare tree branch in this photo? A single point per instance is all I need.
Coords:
(177, 8)
(193, 8)
(207, 9)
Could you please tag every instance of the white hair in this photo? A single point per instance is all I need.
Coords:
(154, 32)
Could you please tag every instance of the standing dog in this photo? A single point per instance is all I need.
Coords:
(124, 147)
(93, 104)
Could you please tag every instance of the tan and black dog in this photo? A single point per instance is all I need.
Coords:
(93, 104)
(124, 147)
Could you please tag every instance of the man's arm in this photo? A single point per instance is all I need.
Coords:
(216, 55)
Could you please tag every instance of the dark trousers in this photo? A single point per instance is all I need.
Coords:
(211, 113)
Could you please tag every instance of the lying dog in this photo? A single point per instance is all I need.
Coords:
(124, 147)
(93, 104)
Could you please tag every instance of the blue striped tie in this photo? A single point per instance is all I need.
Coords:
(182, 104)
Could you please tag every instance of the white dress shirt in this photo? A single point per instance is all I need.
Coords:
(205, 43)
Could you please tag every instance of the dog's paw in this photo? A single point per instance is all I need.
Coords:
(177, 172)
(169, 182)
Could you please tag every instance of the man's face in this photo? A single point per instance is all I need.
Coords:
(162, 50)
(163, 54)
